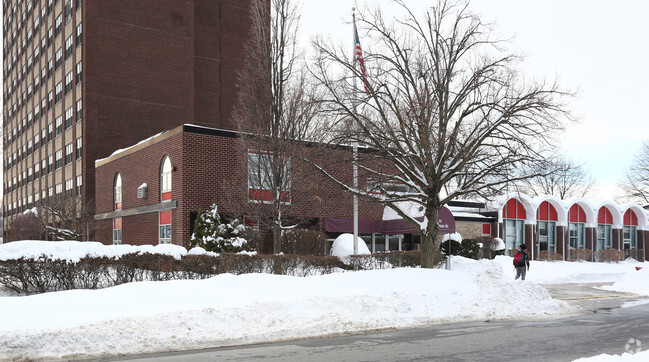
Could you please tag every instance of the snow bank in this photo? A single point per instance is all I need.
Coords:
(557, 272)
(73, 251)
(344, 246)
(638, 356)
(635, 282)
(229, 310)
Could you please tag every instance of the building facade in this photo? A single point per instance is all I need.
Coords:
(151, 192)
(85, 78)
(574, 229)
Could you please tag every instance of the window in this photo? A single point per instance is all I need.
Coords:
(59, 159)
(58, 59)
(79, 75)
(629, 237)
(30, 175)
(69, 152)
(58, 189)
(50, 163)
(576, 234)
(50, 36)
(514, 231)
(43, 137)
(117, 231)
(260, 181)
(68, 46)
(58, 23)
(36, 83)
(50, 69)
(79, 185)
(78, 3)
(79, 110)
(69, 187)
(68, 82)
(604, 238)
(547, 232)
(69, 117)
(164, 228)
(117, 192)
(59, 92)
(79, 35)
(59, 125)
(165, 179)
(79, 148)
(68, 11)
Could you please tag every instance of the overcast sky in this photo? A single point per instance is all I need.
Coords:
(598, 47)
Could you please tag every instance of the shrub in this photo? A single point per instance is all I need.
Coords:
(213, 235)
(304, 242)
(456, 247)
(470, 249)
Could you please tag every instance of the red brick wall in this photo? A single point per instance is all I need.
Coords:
(152, 65)
(211, 169)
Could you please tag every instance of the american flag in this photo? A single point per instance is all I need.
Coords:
(358, 57)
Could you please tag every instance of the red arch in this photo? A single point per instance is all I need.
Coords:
(630, 218)
(577, 214)
(604, 216)
(546, 212)
(514, 210)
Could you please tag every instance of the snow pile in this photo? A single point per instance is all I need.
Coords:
(557, 272)
(638, 356)
(636, 282)
(230, 310)
(73, 251)
(454, 236)
(344, 246)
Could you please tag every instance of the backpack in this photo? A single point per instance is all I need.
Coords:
(519, 259)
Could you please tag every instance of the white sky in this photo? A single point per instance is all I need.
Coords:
(596, 47)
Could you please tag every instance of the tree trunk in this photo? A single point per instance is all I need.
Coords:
(277, 248)
(429, 237)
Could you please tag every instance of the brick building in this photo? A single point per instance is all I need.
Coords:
(151, 192)
(85, 78)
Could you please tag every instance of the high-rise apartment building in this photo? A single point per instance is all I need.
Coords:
(83, 78)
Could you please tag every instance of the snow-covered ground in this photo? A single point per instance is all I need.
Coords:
(230, 310)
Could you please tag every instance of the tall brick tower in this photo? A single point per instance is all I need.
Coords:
(83, 78)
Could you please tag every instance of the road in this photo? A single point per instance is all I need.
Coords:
(601, 327)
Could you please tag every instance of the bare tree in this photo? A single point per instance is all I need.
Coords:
(444, 106)
(66, 217)
(275, 109)
(560, 177)
(635, 183)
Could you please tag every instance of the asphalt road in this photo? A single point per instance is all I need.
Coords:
(600, 327)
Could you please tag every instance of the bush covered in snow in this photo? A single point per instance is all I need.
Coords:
(213, 235)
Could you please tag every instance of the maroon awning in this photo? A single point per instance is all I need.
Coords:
(398, 226)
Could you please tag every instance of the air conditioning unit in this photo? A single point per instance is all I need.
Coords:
(143, 191)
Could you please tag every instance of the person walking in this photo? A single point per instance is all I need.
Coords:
(521, 262)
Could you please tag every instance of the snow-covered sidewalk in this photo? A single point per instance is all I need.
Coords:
(230, 310)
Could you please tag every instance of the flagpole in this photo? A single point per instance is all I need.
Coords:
(355, 148)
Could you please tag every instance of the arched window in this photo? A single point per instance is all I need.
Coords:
(117, 192)
(604, 229)
(164, 217)
(629, 230)
(514, 216)
(165, 179)
(577, 227)
(547, 217)
(117, 222)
